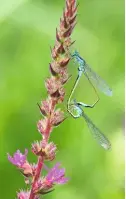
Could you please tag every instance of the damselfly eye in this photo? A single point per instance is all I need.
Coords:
(75, 111)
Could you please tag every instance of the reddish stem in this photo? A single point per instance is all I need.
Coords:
(40, 159)
(49, 126)
(62, 36)
(37, 175)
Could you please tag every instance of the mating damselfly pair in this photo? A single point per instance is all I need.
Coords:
(75, 108)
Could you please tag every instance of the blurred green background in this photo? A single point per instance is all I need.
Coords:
(27, 30)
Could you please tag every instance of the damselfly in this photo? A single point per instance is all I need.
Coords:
(93, 78)
(77, 112)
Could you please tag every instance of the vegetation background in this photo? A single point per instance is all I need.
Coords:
(27, 30)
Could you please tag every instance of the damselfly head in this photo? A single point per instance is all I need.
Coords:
(106, 146)
(74, 109)
(75, 53)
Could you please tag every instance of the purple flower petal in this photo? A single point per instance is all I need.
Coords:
(62, 180)
(56, 175)
(18, 158)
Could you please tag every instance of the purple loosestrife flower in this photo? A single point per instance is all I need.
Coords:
(56, 175)
(18, 158)
(51, 115)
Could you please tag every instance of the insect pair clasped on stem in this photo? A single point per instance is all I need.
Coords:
(75, 108)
